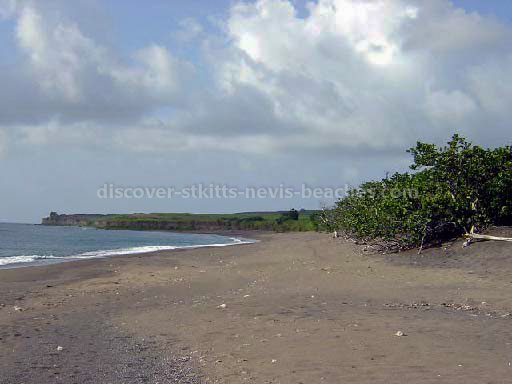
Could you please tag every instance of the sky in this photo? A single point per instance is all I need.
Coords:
(257, 94)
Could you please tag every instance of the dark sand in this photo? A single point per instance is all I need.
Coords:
(299, 308)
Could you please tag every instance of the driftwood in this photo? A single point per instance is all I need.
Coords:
(487, 237)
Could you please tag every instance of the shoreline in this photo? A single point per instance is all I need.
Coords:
(237, 238)
(293, 307)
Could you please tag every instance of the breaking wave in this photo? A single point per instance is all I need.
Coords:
(22, 260)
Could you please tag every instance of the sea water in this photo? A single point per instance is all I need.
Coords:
(27, 244)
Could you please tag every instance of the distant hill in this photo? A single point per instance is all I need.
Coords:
(281, 221)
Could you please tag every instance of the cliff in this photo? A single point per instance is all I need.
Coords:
(74, 220)
(268, 221)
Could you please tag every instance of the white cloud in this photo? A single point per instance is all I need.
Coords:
(349, 75)
(59, 53)
(441, 29)
(7, 8)
(75, 70)
(158, 137)
(491, 83)
(449, 107)
(54, 133)
(379, 73)
(189, 29)
(157, 71)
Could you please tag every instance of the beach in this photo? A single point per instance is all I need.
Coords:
(290, 308)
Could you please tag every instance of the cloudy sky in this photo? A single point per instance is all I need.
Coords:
(173, 93)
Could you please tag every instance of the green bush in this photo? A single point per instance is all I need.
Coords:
(455, 189)
(303, 224)
(292, 214)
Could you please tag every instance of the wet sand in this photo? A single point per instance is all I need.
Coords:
(292, 308)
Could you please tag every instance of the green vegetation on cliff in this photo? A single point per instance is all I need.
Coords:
(270, 221)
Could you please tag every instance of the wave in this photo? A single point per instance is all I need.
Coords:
(26, 259)
(45, 259)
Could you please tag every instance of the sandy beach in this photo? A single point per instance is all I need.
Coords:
(292, 308)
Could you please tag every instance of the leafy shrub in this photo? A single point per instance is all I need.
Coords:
(301, 225)
(455, 189)
(292, 214)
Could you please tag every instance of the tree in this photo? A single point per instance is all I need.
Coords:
(455, 189)
(293, 214)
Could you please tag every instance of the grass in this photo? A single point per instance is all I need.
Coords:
(276, 221)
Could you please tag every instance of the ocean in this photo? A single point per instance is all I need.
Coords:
(28, 245)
